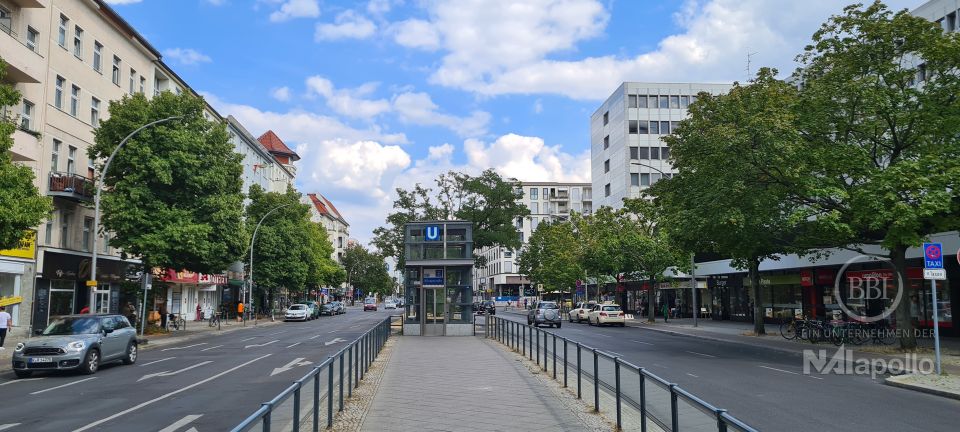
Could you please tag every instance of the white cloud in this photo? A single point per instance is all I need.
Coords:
(355, 166)
(217, 2)
(347, 25)
(379, 7)
(296, 9)
(186, 56)
(418, 108)
(348, 102)
(281, 94)
(528, 159)
(440, 152)
(416, 33)
(123, 2)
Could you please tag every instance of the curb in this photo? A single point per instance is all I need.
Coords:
(921, 388)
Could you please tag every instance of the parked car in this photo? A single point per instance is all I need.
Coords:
(328, 309)
(313, 311)
(77, 342)
(606, 314)
(297, 312)
(341, 308)
(389, 304)
(370, 304)
(487, 307)
(579, 313)
(545, 312)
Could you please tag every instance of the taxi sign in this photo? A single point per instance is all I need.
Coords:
(932, 256)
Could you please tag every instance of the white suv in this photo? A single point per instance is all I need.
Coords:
(579, 313)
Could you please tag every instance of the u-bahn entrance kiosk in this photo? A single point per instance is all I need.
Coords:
(438, 292)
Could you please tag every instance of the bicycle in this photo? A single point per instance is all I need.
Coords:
(215, 320)
(178, 322)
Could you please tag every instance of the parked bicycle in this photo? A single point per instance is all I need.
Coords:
(215, 320)
(177, 322)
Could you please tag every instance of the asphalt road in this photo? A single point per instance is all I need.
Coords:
(219, 380)
(767, 389)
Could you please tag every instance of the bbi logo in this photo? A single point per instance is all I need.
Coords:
(432, 232)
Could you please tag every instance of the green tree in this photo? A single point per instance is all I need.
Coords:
(367, 271)
(173, 192)
(21, 205)
(323, 270)
(880, 117)
(729, 195)
(282, 254)
(553, 256)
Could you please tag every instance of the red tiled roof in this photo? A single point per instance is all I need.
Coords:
(275, 145)
(325, 207)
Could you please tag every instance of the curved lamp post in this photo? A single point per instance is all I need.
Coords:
(92, 283)
(693, 264)
(249, 290)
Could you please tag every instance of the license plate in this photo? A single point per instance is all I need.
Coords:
(41, 360)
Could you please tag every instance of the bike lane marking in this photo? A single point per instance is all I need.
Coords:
(702, 354)
(19, 380)
(213, 347)
(63, 385)
(184, 347)
(8, 426)
(167, 395)
(157, 361)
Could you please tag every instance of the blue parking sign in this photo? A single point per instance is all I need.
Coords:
(932, 256)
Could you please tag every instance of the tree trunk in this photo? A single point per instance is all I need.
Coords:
(651, 306)
(758, 328)
(908, 340)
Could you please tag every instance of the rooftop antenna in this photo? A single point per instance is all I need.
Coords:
(749, 72)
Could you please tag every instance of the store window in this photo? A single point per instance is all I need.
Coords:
(10, 287)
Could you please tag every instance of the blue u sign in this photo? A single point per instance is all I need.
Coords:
(432, 232)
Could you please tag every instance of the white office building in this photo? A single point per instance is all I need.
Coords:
(627, 153)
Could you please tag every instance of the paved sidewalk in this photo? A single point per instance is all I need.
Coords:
(462, 384)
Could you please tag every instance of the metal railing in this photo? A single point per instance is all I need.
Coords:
(298, 407)
(638, 398)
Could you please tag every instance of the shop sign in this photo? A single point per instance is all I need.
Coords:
(432, 277)
(787, 279)
(883, 274)
(806, 278)
(211, 279)
(826, 277)
(27, 248)
(7, 301)
(173, 276)
(67, 266)
(431, 232)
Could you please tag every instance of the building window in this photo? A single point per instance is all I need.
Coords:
(64, 230)
(634, 179)
(87, 229)
(675, 102)
(90, 167)
(644, 179)
(58, 93)
(143, 84)
(26, 120)
(643, 127)
(94, 112)
(606, 166)
(631, 101)
(48, 230)
(951, 21)
(62, 32)
(33, 37)
(97, 56)
(71, 160)
(684, 102)
(633, 126)
(74, 100)
(642, 101)
(546, 194)
(533, 193)
(106, 243)
(654, 177)
(655, 128)
(634, 153)
(78, 42)
(693, 99)
(665, 153)
(673, 126)
(654, 153)
(643, 153)
(606, 118)
(665, 128)
(116, 70)
(133, 80)
(606, 143)
(664, 102)
(535, 207)
(55, 156)
(606, 190)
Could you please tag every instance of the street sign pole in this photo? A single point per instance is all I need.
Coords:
(693, 287)
(936, 323)
(933, 260)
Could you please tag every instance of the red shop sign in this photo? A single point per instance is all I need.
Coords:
(826, 277)
(884, 274)
(806, 278)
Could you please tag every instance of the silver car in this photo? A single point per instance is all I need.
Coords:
(77, 342)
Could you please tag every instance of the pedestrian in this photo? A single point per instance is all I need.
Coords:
(163, 316)
(199, 312)
(6, 322)
(239, 311)
(666, 312)
(524, 303)
(132, 314)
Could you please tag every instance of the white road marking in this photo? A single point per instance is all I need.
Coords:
(293, 345)
(688, 373)
(8, 425)
(603, 335)
(193, 429)
(275, 333)
(184, 347)
(641, 342)
(702, 354)
(167, 395)
(314, 337)
(295, 362)
(213, 347)
(19, 380)
(244, 340)
(181, 423)
(660, 365)
(337, 340)
(157, 361)
(168, 373)
(261, 345)
(62, 386)
(780, 370)
(332, 331)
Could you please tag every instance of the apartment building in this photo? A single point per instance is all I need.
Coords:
(323, 212)
(547, 201)
(284, 157)
(627, 153)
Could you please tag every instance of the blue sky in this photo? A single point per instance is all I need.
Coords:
(381, 94)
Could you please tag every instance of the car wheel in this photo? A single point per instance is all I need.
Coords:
(91, 362)
(132, 353)
(589, 321)
(23, 373)
(558, 325)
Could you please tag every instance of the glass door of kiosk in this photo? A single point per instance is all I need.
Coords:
(434, 311)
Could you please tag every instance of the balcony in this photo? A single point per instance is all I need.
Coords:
(73, 187)
(23, 64)
(559, 195)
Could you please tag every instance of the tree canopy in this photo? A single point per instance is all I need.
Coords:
(282, 254)
(367, 271)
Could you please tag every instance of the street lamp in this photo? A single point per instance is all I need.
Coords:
(693, 264)
(249, 291)
(92, 283)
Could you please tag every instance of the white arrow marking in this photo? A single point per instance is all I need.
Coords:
(168, 373)
(181, 423)
(293, 345)
(157, 361)
(8, 426)
(260, 345)
(337, 340)
(299, 361)
(184, 347)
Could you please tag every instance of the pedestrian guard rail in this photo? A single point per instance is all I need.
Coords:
(299, 407)
(639, 399)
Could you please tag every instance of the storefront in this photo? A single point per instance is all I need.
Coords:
(61, 286)
(188, 292)
(729, 299)
(17, 267)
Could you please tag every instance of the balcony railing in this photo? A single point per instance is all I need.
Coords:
(71, 186)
